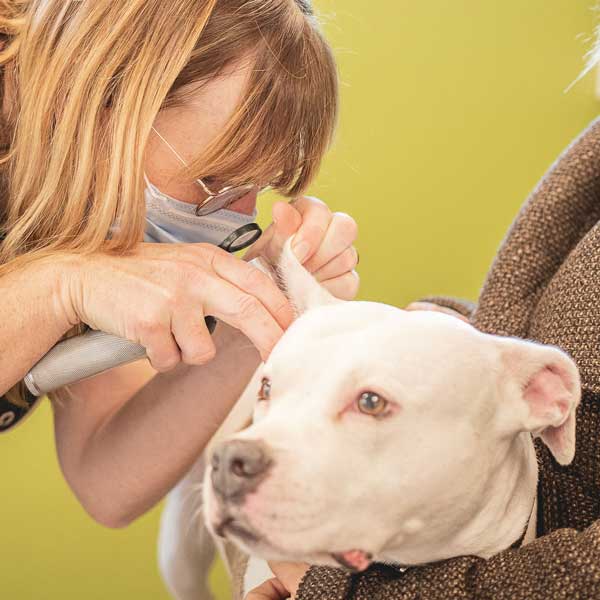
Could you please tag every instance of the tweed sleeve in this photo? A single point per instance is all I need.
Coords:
(464, 307)
(563, 564)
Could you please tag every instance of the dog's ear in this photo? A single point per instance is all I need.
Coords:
(302, 289)
(546, 383)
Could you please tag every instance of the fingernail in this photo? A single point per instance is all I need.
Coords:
(301, 250)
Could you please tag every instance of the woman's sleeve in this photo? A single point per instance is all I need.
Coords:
(564, 564)
(13, 413)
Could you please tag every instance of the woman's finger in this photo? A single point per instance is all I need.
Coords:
(343, 263)
(204, 259)
(161, 348)
(254, 282)
(344, 287)
(192, 336)
(430, 306)
(269, 590)
(286, 221)
(244, 312)
(316, 218)
(341, 234)
(261, 244)
(289, 574)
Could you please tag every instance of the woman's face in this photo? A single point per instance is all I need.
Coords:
(190, 128)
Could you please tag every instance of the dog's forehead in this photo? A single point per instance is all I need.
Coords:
(379, 330)
(334, 320)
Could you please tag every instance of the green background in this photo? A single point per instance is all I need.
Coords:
(451, 111)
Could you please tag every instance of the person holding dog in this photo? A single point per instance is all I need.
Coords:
(544, 285)
(126, 124)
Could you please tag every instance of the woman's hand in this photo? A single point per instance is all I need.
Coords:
(288, 577)
(323, 242)
(158, 296)
(269, 590)
(430, 306)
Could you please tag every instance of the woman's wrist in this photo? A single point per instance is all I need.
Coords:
(57, 272)
(61, 271)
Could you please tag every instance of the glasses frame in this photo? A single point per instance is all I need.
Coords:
(215, 199)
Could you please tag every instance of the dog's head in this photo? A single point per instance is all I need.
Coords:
(400, 436)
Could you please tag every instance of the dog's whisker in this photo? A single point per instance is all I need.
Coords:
(197, 520)
(197, 487)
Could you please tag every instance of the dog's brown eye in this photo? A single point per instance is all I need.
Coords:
(371, 404)
(265, 389)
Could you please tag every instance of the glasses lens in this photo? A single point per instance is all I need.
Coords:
(224, 199)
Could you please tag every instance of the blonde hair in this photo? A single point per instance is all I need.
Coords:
(89, 78)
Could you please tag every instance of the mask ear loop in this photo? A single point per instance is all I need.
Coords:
(179, 157)
(150, 185)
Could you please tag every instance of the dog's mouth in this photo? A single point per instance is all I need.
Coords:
(354, 560)
(230, 527)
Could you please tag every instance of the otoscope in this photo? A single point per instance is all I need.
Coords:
(94, 352)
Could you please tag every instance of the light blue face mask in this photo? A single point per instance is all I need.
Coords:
(172, 221)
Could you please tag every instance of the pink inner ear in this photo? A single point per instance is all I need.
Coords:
(548, 398)
(551, 404)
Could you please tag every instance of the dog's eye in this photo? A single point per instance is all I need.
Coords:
(265, 389)
(371, 404)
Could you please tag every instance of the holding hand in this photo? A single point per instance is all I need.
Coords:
(288, 577)
(430, 306)
(158, 295)
(269, 590)
(323, 242)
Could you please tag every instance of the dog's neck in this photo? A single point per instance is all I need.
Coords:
(510, 510)
(502, 519)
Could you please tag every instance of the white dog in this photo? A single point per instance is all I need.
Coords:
(378, 435)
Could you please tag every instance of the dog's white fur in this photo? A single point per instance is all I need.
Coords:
(450, 471)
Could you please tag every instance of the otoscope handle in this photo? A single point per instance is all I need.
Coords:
(65, 363)
(83, 356)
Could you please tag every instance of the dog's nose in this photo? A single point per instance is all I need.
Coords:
(238, 467)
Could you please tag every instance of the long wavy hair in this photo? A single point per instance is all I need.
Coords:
(87, 80)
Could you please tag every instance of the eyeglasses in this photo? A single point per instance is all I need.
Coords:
(215, 200)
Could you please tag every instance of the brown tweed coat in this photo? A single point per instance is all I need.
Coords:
(544, 285)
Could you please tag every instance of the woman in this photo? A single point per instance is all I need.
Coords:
(102, 101)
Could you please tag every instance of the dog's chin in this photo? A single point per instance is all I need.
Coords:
(229, 522)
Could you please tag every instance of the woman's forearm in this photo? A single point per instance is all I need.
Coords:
(33, 317)
(138, 453)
